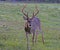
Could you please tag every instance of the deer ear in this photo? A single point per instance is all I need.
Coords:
(24, 17)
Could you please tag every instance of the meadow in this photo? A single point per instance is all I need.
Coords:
(12, 34)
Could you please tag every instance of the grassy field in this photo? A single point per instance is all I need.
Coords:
(12, 35)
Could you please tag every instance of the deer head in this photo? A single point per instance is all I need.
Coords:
(26, 17)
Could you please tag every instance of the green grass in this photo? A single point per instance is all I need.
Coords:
(12, 36)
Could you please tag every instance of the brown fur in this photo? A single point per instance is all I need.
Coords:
(27, 28)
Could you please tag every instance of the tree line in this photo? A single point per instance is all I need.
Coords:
(39, 1)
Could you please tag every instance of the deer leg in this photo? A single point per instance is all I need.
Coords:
(28, 47)
(36, 37)
(42, 36)
(33, 37)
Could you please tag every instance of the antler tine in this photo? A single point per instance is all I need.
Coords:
(24, 7)
(23, 10)
(27, 16)
(36, 10)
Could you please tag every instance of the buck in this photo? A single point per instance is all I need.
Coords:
(32, 25)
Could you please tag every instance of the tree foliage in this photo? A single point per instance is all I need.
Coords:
(45, 1)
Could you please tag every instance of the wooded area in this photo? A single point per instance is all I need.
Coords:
(39, 1)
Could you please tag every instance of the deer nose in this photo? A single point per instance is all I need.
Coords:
(29, 25)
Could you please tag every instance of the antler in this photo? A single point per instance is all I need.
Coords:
(23, 10)
(36, 10)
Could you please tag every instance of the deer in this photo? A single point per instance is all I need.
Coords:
(32, 25)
